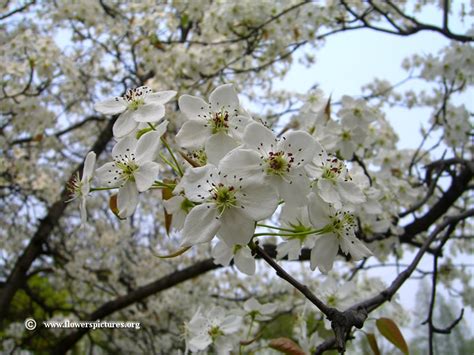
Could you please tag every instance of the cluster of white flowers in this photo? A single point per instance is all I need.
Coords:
(245, 171)
(221, 328)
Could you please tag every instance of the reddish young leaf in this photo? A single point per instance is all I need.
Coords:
(373, 343)
(114, 206)
(167, 193)
(390, 330)
(286, 346)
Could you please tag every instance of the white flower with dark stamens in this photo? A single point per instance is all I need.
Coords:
(81, 187)
(333, 183)
(215, 327)
(230, 205)
(279, 162)
(137, 105)
(217, 125)
(243, 259)
(258, 311)
(132, 170)
(339, 232)
(355, 113)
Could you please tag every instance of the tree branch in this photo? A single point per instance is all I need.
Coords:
(139, 294)
(46, 226)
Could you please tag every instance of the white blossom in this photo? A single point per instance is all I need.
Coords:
(277, 162)
(230, 205)
(137, 105)
(215, 327)
(81, 188)
(258, 311)
(217, 125)
(333, 182)
(243, 259)
(132, 170)
(339, 232)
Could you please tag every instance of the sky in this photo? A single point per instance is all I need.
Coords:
(350, 60)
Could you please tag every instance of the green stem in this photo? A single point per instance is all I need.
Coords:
(297, 234)
(175, 169)
(172, 156)
(273, 227)
(162, 184)
(250, 327)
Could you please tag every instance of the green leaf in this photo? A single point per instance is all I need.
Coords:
(184, 21)
(390, 330)
(286, 346)
(280, 326)
(373, 343)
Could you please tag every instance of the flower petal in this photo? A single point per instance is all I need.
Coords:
(193, 134)
(201, 225)
(353, 246)
(198, 181)
(147, 146)
(244, 163)
(244, 261)
(160, 97)
(236, 227)
(125, 124)
(237, 125)
(327, 191)
(111, 106)
(222, 254)
(83, 210)
(301, 145)
(146, 175)
(194, 108)
(124, 147)
(350, 192)
(259, 201)
(173, 205)
(295, 190)
(324, 252)
(149, 113)
(89, 165)
(108, 174)
(127, 199)
(217, 146)
(259, 137)
(231, 324)
(318, 210)
(224, 97)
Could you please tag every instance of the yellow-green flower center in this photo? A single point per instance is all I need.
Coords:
(199, 156)
(215, 332)
(278, 163)
(136, 97)
(332, 169)
(341, 224)
(128, 169)
(219, 122)
(224, 197)
(135, 104)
